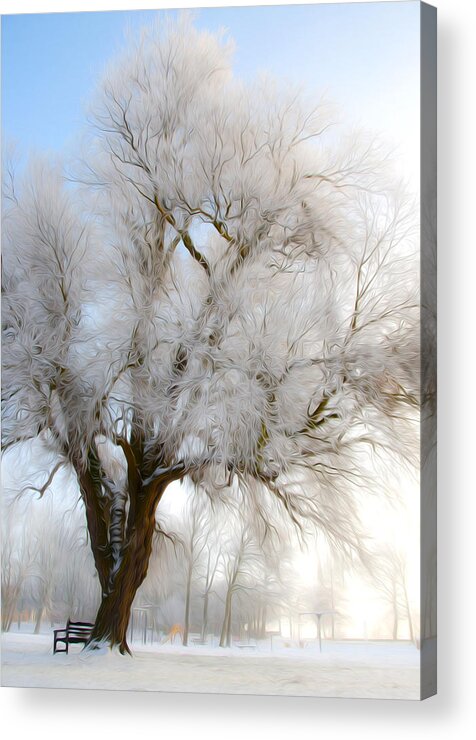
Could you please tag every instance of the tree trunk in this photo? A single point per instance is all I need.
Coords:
(7, 618)
(409, 613)
(264, 621)
(97, 528)
(121, 566)
(186, 626)
(9, 605)
(39, 615)
(395, 613)
(205, 617)
(225, 637)
(112, 619)
(228, 629)
(333, 606)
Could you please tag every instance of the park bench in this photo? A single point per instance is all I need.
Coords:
(74, 632)
(198, 641)
(245, 645)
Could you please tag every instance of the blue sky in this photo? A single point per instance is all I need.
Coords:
(364, 55)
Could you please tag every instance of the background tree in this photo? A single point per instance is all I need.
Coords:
(19, 553)
(231, 298)
(197, 522)
(240, 570)
(251, 548)
(392, 582)
(213, 556)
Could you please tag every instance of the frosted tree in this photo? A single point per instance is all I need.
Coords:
(391, 579)
(19, 555)
(194, 539)
(227, 294)
(242, 566)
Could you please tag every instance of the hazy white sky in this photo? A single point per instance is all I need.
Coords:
(365, 56)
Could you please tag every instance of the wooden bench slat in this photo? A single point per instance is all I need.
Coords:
(74, 633)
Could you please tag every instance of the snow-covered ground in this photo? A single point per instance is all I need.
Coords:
(345, 669)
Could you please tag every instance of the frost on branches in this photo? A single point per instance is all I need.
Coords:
(228, 292)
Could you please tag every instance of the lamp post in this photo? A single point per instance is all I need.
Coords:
(318, 616)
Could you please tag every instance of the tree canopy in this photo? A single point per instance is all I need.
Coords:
(224, 287)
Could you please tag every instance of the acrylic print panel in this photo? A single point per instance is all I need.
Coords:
(218, 350)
